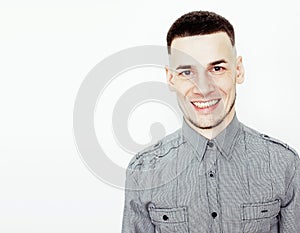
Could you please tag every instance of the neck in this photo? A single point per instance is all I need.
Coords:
(215, 131)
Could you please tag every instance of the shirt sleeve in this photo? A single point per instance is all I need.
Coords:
(290, 208)
(135, 216)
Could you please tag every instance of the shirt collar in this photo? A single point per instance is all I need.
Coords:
(224, 141)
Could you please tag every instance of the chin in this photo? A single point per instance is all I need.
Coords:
(207, 122)
(208, 125)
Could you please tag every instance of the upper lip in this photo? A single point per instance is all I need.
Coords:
(204, 101)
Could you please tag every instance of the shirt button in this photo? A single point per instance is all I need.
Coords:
(165, 217)
(210, 144)
(214, 214)
(211, 174)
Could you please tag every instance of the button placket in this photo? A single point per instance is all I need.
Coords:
(212, 185)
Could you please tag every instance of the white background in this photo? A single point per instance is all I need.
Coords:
(46, 50)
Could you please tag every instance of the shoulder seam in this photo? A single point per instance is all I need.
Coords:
(152, 149)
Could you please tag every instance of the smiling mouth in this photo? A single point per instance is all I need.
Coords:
(205, 104)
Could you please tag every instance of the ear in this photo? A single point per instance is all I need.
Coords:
(240, 71)
(170, 78)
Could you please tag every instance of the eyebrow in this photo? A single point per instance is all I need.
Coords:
(217, 62)
(183, 67)
(210, 64)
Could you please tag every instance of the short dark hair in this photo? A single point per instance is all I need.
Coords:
(199, 23)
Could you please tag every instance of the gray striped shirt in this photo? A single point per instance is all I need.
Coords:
(241, 181)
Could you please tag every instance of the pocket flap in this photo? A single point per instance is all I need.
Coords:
(253, 211)
(168, 215)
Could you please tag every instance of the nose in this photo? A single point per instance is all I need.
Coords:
(203, 84)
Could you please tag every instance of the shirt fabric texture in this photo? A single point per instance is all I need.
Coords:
(239, 182)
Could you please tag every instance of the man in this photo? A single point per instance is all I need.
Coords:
(214, 174)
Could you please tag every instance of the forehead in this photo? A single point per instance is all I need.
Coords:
(202, 49)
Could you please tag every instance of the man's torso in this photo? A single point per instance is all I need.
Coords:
(233, 184)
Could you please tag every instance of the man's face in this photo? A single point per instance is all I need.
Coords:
(203, 72)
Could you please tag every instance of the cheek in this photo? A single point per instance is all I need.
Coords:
(183, 89)
(225, 86)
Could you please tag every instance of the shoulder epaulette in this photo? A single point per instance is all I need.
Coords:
(279, 142)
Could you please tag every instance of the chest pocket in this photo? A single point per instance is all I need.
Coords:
(259, 217)
(169, 220)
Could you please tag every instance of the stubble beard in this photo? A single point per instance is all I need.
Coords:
(218, 122)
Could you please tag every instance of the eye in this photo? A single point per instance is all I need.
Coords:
(218, 69)
(186, 74)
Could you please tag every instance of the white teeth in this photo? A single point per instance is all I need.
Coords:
(205, 104)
